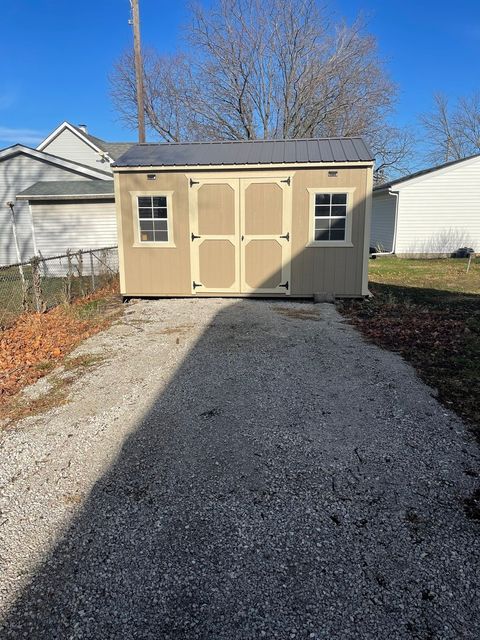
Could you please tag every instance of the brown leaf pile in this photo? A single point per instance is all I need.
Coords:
(36, 341)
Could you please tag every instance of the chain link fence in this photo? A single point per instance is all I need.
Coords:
(42, 283)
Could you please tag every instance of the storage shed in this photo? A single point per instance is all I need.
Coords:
(267, 218)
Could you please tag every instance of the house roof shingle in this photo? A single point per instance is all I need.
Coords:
(114, 149)
(241, 152)
(82, 189)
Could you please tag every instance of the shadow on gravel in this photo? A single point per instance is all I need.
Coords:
(261, 498)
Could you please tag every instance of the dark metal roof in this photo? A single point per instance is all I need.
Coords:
(241, 152)
(82, 189)
(423, 172)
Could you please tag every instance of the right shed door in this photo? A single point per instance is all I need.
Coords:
(265, 227)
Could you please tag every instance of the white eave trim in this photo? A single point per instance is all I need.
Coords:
(67, 125)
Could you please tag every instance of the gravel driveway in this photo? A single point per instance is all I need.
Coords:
(239, 470)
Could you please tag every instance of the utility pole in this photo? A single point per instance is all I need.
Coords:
(135, 22)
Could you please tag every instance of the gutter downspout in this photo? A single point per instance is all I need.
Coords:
(394, 239)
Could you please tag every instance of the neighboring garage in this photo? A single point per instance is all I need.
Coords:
(71, 215)
(273, 218)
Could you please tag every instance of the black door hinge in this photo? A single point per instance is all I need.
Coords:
(194, 237)
(286, 236)
(287, 181)
(285, 285)
(192, 182)
(196, 284)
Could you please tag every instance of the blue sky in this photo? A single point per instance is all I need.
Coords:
(55, 56)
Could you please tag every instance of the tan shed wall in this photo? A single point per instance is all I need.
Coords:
(157, 271)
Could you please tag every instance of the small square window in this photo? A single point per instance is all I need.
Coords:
(153, 218)
(146, 225)
(322, 211)
(337, 234)
(321, 235)
(330, 217)
(323, 198)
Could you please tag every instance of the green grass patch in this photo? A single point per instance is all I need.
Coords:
(439, 274)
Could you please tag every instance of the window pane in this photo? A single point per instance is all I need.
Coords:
(144, 213)
(322, 198)
(337, 234)
(146, 236)
(322, 223)
(321, 235)
(322, 211)
(145, 201)
(159, 201)
(339, 198)
(146, 225)
(160, 225)
(337, 223)
(339, 210)
(161, 236)
(159, 213)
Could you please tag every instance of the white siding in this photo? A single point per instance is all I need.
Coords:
(68, 145)
(74, 225)
(440, 212)
(383, 221)
(16, 174)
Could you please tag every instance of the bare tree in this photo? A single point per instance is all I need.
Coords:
(452, 133)
(267, 69)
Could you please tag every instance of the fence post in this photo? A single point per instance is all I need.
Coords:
(37, 284)
(68, 282)
(80, 271)
(92, 270)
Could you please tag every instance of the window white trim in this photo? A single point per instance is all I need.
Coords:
(312, 191)
(136, 220)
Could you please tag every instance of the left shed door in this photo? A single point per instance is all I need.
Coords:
(214, 225)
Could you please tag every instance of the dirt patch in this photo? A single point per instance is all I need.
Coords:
(182, 328)
(298, 314)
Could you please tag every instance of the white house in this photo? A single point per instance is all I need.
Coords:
(50, 214)
(429, 213)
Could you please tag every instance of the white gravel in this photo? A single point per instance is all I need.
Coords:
(234, 471)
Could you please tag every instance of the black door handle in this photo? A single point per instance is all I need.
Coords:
(194, 236)
(286, 236)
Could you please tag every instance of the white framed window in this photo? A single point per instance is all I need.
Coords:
(152, 214)
(331, 217)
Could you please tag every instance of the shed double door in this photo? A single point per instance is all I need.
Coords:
(240, 235)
